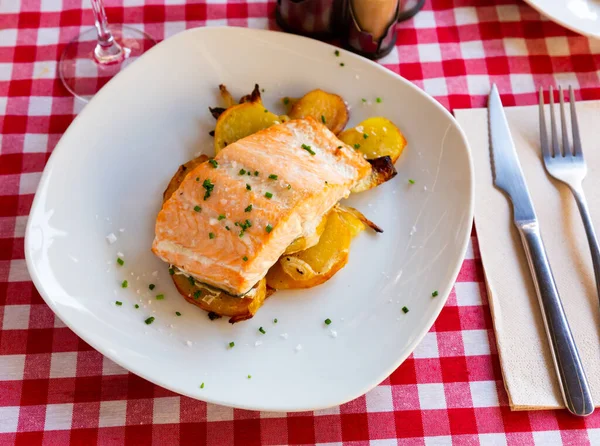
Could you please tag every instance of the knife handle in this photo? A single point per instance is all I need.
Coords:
(573, 382)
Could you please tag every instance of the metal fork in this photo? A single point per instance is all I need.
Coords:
(566, 164)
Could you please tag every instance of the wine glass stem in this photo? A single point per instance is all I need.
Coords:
(107, 51)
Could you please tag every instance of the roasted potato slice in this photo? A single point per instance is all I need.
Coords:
(302, 243)
(210, 299)
(240, 121)
(325, 107)
(218, 302)
(382, 170)
(318, 264)
(356, 220)
(226, 96)
(376, 137)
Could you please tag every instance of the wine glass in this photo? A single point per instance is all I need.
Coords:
(91, 59)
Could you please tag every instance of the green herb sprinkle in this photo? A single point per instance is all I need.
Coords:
(327, 321)
(136, 306)
(151, 286)
(211, 235)
(120, 261)
(149, 320)
(248, 187)
(221, 217)
(269, 228)
(245, 258)
(273, 177)
(160, 297)
(178, 313)
(269, 195)
(124, 284)
(405, 310)
(197, 208)
(434, 294)
(308, 149)
(262, 330)
(248, 208)
(118, 303)
(213, 163)
(231, 344)
(242, 172)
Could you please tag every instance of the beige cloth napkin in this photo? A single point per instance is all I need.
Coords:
(525, 359)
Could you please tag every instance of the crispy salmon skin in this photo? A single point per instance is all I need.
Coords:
(232, 217)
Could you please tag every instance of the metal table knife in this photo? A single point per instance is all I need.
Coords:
(508, 177)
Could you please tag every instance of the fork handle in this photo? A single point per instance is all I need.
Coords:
(591, 234)
(573, 382)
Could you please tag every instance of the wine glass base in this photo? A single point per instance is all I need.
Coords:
(79, 70)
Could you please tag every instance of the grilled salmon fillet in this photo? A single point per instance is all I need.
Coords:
(232, 217)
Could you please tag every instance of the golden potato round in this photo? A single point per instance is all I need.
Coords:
(376, 137)
(328, 108)
(240, 121)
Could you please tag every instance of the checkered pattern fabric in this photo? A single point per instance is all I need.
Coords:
(55, 389)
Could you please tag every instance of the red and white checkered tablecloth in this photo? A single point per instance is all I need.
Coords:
(55, 389)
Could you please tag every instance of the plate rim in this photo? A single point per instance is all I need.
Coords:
(384, 373)
(565, 24)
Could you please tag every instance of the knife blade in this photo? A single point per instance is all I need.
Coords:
(508, 177)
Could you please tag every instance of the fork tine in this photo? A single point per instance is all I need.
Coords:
(577, 149)
(543, 131)
(566, 147)
(555, 146)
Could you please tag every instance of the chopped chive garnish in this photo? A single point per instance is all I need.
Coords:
(221, 217)
(197, 294)
(339, 147)
(248, 208)
(289, 186)
(337, 53)
(256, 173)
(327, 321)
(273, 177)
(202, 386)
(266, 111)
(197, 178)
(434, 294)
(149, 320)
(136, 306)
(378, 100)
(269, 228)
(171, 271)
(262, 330)
(341, 64)
(197, 208)
(151, 286)
(245, 258)
(242, 172)
(249, 173)
(249, 376)
(357, 146)
(365, 136)
(227, 227)
(275, 320)
(178, 313)
(364, 100)
(323, 119)
(211, 235)
(191, 280)
(209, 186)
(248, 187)
(160, 297)
(231, 344)
(411, 181)
(120, 261)
(213, 163)
(269, 195)
(124, 284)
(308, 149)
(405, 310)
(286, 101)
(119, 303)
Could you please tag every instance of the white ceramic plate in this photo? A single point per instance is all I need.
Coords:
(581, 16)
(109, 171)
